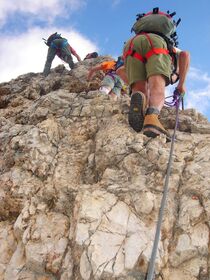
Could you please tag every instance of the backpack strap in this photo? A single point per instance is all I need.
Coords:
(153, 51)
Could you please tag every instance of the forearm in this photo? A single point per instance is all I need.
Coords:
(78, 57)
(90, 74)
(121, 72)
(184, 62)
(74, 53)
(92, 70)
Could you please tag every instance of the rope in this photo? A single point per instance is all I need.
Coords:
(174, 101)
(150, 274)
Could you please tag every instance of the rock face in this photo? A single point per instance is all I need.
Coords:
(80, 190)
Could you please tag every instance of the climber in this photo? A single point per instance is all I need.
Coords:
(59, 46)
(112, 84)
(152, 62)
(91, 55)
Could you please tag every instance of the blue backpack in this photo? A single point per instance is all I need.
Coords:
(50, 42)
(51, 38)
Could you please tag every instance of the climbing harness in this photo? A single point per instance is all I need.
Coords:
(177, 98)
(111, 74)
(153, 51)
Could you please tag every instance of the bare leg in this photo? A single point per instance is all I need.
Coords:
(143, 87)
(122, 73)
(140, 86)
(156, 88)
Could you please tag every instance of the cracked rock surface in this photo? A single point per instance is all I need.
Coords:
(80, 190)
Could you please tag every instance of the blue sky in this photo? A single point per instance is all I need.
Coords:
(103, 26)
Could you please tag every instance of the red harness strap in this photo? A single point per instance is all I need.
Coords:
(133, 53)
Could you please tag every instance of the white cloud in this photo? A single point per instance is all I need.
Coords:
(200, 100)
(47, 9)
(198, 91)
(198, 94)
(5, 7)
(197, 74)
(27, 52)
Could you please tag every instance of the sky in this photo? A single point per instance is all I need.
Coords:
(102, 26)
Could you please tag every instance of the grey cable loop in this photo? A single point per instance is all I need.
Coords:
(151, 268)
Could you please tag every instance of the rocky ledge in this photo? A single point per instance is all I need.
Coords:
(80, 191)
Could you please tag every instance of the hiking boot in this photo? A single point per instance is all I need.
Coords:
(137, 111)
(153, 128)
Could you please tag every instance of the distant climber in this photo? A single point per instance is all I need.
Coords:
(152, 62)
(59, 46)
(112, 84)
(91, 55)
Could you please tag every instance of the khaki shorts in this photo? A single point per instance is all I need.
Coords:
(159, 64)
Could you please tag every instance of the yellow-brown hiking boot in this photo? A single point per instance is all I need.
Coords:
(137, 111)
(153, 128)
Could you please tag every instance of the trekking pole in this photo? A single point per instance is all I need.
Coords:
(151, 268)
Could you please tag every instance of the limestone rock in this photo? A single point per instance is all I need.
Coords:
(80, 190)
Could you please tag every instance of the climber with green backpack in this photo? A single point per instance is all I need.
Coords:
(153, 61)
(59, 46)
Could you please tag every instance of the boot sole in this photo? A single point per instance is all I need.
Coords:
(136, 112)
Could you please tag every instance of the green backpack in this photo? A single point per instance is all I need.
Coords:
(157, 22)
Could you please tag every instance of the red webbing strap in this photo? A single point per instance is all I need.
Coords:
(127, 53)
(139, 57)
(130, 49)
(153, 51)
(156, 51)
